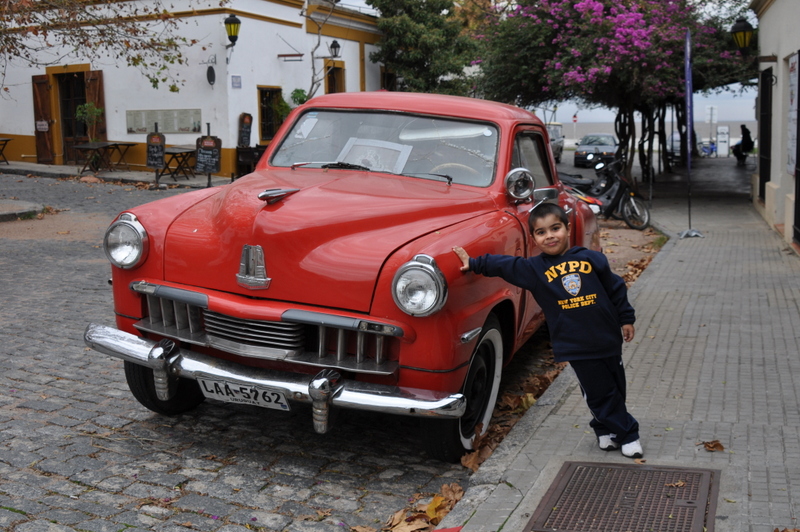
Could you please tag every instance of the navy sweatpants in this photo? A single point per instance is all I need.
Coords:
(603, 385)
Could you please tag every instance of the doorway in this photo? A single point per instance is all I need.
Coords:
(56, 96)
(71, 94)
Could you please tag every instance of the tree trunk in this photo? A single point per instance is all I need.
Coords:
(625, 128)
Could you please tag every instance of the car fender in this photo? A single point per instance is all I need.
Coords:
(438, 345)
(155, 217)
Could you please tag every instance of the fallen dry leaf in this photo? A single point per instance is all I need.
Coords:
(635, 269)
(416, 525)
(362, 529)
(396, 519)
(678, 484)
(639, 461)
(713, 445)
(425, 517)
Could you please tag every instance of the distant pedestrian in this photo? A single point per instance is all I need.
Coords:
(588, 315)
(743, 147)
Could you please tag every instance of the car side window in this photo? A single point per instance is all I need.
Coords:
(529, 152)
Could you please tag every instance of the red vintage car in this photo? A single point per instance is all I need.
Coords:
(327, 276)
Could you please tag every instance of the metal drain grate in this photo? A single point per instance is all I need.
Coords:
(591, 497)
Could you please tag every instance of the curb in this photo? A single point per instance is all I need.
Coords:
(11, 210)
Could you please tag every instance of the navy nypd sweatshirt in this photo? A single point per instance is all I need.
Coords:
(585, 304)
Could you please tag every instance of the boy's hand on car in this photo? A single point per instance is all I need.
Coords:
(464, 256)
(627, 332)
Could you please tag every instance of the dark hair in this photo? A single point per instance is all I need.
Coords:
(546, 209)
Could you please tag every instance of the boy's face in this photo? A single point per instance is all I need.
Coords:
(551, 235)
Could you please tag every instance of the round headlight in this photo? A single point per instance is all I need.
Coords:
(520, 184)
(126, 242)
(419, 287)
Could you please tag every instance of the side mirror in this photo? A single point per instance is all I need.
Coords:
(540, 195)
(519, 184)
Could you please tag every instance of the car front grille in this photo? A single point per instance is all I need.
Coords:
(313, 344)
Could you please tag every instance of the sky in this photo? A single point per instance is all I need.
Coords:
(730, 106)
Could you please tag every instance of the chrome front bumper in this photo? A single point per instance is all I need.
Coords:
(323, 390)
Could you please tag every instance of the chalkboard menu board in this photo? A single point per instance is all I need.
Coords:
(207, 155)
(245, 125)
(155, 150)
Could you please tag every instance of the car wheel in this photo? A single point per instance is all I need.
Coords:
(140, 381)
(448, 440)
(635, 213)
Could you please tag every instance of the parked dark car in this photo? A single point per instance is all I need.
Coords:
(603, 145)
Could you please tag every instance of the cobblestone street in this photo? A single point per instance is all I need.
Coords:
(78, 452)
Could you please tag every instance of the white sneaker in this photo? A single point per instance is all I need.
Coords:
(606, 443)
(633, 449)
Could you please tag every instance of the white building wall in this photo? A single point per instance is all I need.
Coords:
(778, 37)
(267, 30)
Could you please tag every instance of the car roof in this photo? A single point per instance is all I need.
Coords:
(438, 104)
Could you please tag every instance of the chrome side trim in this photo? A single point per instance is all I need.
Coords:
(189, 297)
(468, 336)
(341, 322)
(296, 386)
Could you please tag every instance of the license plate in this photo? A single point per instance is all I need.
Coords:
(230, 392)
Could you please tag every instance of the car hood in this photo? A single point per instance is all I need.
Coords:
(322, 245)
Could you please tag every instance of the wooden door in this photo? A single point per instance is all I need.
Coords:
(43, 119)
(94, 94)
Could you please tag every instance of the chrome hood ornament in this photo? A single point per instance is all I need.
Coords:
(273, 195)
(252, 269)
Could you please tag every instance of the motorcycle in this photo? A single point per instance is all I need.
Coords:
(707, 150)
(609, 194)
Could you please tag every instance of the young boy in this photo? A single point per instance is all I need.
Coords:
(585, 305)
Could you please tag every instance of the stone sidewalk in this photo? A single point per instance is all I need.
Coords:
(716, 357)
(11, 209)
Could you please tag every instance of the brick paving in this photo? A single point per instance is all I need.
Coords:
(78, 453)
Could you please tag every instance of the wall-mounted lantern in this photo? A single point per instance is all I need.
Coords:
(232, 25)
(334, 48)
(742, 32)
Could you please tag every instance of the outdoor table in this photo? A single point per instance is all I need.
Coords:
(3, 143)
(181, 156)
(121, 148)
(97, 155)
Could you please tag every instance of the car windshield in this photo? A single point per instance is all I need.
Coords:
(597, 140)
(459, 151)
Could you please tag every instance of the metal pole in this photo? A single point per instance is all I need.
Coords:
(690, 126)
